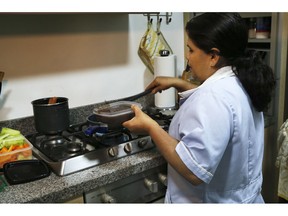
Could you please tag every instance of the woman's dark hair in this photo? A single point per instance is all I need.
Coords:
(228, 33)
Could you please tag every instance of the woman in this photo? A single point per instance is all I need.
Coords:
(214, 148)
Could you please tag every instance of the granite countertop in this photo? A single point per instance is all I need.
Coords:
(56, 189)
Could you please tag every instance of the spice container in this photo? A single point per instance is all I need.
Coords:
(263, 27)
(114, 114)
(252, 28)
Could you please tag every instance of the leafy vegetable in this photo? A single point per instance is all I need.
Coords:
(10, 137)
(12, 140)
(9, 131)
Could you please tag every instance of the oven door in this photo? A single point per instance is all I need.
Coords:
(145, 187)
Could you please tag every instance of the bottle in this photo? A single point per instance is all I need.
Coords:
(252, 28)
(263, 27)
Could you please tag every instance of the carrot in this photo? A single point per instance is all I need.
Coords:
(4, 160)
(13, 147)
(13, 157)
(27, 153)
(3, 150)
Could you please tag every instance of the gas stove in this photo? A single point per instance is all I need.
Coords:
(82, 146)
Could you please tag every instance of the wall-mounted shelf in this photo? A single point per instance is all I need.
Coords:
(256, 14)
(256, 40)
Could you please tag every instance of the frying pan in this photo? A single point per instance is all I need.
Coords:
(115, 113)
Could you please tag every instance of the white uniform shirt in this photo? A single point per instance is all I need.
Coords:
(221, 140)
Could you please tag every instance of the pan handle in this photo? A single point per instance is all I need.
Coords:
(137, 96)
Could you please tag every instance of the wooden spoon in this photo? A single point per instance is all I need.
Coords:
(52, 100)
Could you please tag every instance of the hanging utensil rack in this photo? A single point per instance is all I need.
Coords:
(167, 15)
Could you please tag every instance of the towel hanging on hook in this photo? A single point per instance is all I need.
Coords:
(151, 44)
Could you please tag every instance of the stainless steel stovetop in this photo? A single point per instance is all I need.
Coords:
(74, 150)
(71, 152)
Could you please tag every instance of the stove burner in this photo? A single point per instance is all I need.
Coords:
(162, 116)
(53, 141)
(113, 137)
(74, 146)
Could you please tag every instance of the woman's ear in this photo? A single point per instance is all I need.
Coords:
(215, 57)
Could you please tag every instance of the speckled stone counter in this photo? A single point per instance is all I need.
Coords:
(56, 189)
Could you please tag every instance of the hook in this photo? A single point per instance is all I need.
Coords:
(168, 18)
(149, 21)
(158, 23)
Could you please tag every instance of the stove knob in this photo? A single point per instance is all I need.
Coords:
(105, 198)
(113, 151)
(151, 185)
(128, 148)
(163, 178)
(142, 143)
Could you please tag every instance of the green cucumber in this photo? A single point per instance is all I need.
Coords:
(9, 137)
(9, 131)
(3, 136)
(12, 140)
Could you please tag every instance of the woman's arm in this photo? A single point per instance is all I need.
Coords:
(166, 144)
(162, 83)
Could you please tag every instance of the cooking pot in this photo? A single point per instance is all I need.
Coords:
(51, 118)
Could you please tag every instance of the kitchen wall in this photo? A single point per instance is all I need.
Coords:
(86, 57)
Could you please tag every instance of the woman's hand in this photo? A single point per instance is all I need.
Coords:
(162, 83)
(141, 123)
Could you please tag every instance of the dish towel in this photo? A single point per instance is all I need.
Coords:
(282, 161)
(150, 45)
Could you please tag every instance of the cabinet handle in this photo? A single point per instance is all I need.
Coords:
(151, 185)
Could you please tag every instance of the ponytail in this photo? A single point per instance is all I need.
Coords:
(256, 77)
